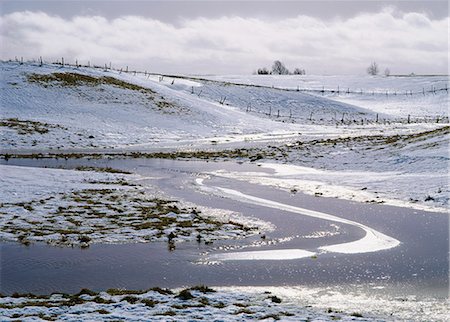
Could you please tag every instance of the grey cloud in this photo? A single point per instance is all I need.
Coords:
(233, 44)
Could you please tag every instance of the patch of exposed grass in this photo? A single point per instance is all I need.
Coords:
(273, 316)
(100, 169)
(87, 292)
(77, 79)
(185, 295)
(149, 302)
(244, 311)
(167, 313)
(203, 289)
(118, 291)
(275, 299)
(63, 79)
(130, 299)
(162, 291)
(24, 127)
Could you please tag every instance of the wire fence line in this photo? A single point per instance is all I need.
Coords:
(386, 93)
(289, 113)
(346, 119)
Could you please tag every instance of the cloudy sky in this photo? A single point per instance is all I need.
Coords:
(231, 37)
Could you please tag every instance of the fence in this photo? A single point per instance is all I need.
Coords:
(346, 119)
(386, 93)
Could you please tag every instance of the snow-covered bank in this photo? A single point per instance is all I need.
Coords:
(220, 304)
(368, 187)
(67, 207)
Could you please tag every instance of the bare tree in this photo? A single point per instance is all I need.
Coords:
(263, 71)
(299, 71)
(373, 69)
(387, 72)
(278, 68)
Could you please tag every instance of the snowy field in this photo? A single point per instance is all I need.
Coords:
(372, 140)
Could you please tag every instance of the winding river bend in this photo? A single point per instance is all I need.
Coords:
(316, 242)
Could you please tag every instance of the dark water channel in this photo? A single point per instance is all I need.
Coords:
(418, 266)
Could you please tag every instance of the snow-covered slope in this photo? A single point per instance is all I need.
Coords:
(396, 96)
(92, 108)
(91, 113)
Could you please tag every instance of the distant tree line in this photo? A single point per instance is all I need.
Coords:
(373, 70)
(278, 68)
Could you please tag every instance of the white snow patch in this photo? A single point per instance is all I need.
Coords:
(278, 254)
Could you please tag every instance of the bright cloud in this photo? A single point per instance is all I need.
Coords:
(404, 42)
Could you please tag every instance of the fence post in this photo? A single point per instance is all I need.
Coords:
(376, 119)
(62, 61)
(40, 61)
(290, 113)
(270, 110)
(409, 118)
